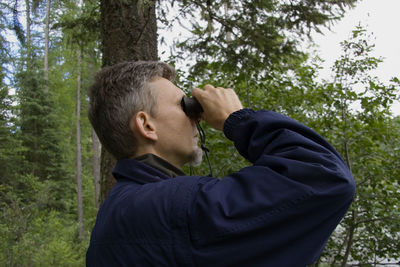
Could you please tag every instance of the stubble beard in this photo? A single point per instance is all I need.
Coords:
(197, 157)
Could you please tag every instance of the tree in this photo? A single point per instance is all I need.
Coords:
(264, 36)
(81, 39)
(365, 136)
(39, 131)
(96, 167)
(79, 147)
(46, 46)
(37, 194)
(10, 147)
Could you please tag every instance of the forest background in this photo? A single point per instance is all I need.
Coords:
(54, 175)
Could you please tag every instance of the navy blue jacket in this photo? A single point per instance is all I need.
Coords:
(278, 212)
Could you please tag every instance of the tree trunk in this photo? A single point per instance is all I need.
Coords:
(78, 149)
(28, 25)
(228, 35)
(339, 251)
(350, 239)
(96, 167)
(28, 34)
(46, 47)
(128, 32)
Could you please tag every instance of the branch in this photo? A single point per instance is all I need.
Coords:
(375, 263)
(374, 220)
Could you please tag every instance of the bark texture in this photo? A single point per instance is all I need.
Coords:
(128, 31)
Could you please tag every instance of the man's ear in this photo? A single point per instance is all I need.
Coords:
(142, 124)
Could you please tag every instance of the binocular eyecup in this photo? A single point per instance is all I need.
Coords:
(191, 107)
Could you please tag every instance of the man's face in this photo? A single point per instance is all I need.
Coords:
(177, 134)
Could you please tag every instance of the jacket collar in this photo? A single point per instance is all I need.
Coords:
(140, 172)
(160, 164)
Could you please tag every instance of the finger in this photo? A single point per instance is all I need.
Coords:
(196, 92)
(208, 87)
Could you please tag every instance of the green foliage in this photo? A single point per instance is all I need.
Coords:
(31, 234)
(10, 145)
(80, 25)
(38, 126)
(38, 218)
(364, 132)
(250, 37)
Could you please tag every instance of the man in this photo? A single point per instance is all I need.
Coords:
(278, 212)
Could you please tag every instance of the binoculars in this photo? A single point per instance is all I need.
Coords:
(191, 107)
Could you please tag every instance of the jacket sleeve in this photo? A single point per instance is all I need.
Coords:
(281, 210)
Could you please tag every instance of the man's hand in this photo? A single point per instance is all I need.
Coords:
(218, 103)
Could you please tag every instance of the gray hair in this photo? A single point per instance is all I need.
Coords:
(118, 93)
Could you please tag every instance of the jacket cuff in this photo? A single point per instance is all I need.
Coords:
(231, 123)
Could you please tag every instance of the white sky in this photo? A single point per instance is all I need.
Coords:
(382, 18)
